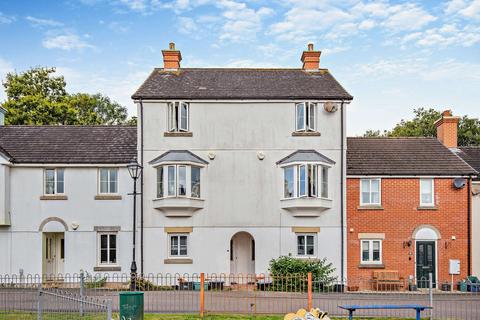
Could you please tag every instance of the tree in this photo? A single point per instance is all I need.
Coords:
(39, 97)
(423, 125)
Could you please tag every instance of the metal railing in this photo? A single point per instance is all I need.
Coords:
(248, 294)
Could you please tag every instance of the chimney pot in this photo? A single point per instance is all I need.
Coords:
(172, 45)
(447, 129)
(310, 58)
(171, 58)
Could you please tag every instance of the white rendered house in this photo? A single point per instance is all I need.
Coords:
(63, 199)
(241, 166)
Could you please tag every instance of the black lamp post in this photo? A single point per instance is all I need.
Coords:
(134, 169)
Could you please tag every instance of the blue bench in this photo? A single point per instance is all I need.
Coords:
(352, 308)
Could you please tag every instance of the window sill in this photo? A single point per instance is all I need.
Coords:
(178, 261)
(107, 268)
(108, 197)
(178, 206)
(371, 266)
(306, 134)
(370, 207)
(53, 197)
(178, 134)
(306, 207)
(421, 208)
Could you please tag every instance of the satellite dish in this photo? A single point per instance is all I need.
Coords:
(330, 106)
(459, 183)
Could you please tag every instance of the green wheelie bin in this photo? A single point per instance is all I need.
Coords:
(131, 305)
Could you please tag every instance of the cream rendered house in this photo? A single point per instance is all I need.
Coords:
(241, 166)
(64, 203)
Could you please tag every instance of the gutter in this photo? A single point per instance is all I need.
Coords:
(141, 189)
(342, 207)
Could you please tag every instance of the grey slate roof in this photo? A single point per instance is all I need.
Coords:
(403, 156)
(471, 155)
(305, 156)
(204, 83)
(69, 144)
(178, 155)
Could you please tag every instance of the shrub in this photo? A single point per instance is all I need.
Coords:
(290, 274)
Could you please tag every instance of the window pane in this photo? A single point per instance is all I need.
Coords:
(104, 256)
(113, 180)
(113, 256)
(302, 176)
(312, 180)
(183, 245)
(376, 250)
(103, 241)
(62, 248)
(171, 180)
(300, 123)
(60, 181)
(365, 251)
(113, 241)
(324, 182)
(174, 246)
(103, 180)
(375, 198)
(426, 191)
(288, 182)
(310, 245)
(49, 181)
(311, 116)
(160, 182)
(182, 180)
(195, 177)
(375, 186)
(184, 117)
(171, 117)
(301, 245)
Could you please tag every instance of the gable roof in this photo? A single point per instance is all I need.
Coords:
(471, 155)
(305, 156)
(228, 83)
(178, 155)
(403, 156)
(69, 144)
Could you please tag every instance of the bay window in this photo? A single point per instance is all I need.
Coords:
(305, 116)
(306, 180)
(180, 181)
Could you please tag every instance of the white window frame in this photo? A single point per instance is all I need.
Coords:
(308, 109)
(108, 180)
(55, 181)
(188, 180)
(99, 248)
(178, 235)
(305, 235)
(174, 116)
(432, 190)
(370, 203)
(370, 251)
(316, 170)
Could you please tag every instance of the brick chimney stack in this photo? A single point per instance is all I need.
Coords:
(311, 59)
(171, 58)
(447, 129)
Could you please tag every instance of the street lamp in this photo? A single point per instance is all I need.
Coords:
(134, 169)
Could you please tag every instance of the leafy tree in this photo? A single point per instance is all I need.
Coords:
(423, 125)
(38, 97)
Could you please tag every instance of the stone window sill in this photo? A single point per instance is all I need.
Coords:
(371, 266)
(178, 134)
(107, 268)
(370, 208)
(53, 197)
(421, 208)
(306, 134)
(108, 197)
(178, 261)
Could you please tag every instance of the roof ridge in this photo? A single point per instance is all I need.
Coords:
(232, 68)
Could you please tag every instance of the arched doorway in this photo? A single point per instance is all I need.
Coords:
(242, 254)
(53, 247)
(426, 238)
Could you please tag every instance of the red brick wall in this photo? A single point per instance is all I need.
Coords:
(398, 220)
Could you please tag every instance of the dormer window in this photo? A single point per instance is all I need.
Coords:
(305, 116)
(178, 116)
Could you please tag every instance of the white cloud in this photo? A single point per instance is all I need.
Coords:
(367, 24)
(4, 19)
(445, 35)
(67, 42)
(407, 17)
(472, 10)
(187, 25)
(467, 9)
(135, 5)
(118, 27)
(37, 22)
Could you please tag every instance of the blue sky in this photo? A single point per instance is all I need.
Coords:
(392, 56)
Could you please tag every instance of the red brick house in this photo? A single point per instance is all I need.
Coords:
(408, 207)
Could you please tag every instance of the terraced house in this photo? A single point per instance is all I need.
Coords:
(409, 212)
(63, 199)
(241, 166)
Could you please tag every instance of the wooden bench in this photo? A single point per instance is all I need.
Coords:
(387, 279)
(418, 308)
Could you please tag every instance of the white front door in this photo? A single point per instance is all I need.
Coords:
(243, 254)
(54, 254)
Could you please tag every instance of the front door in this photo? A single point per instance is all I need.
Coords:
(426, 263)
(242, 255)
(54, 255)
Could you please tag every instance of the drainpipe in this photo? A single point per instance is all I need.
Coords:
(342, 176)
(141, 188)
(469, 227)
